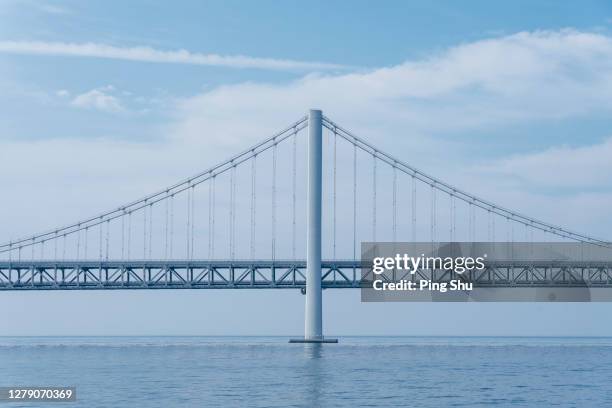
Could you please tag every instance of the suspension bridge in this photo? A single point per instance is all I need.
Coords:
(288, 212)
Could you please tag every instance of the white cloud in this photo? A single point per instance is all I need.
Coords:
(522, 77)
(99, 99)
(62, 93)
(148, 54)
(483, 85)
(560, 167)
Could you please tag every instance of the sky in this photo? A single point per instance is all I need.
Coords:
(102, 103)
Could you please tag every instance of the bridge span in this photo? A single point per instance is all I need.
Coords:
(279, 274)
(235, 210)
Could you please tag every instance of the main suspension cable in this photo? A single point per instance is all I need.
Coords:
(477, 202)
(163, 194)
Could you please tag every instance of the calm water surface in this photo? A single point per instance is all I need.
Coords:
(269, 372)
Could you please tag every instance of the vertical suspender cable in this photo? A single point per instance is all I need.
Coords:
(85, 249)
(144, 231)
(471, 222)
(489, 225)
(188, 226)
(192, 222)
(475, 234)
(452, 217)
(413, 198)
(493, 227)
(100, 239)
(234, 214)
(230, 208)
(150, 230)
(434, 218)
(394, 203)
(210, 184)
(231, 211)
(354, 201)
(293, 189)
(129, 237)
(508, 240)
(433, 214)
(107, 237)
(334, 214)
(374, 197)
(253, 188)
(274, 201)
(212, 230)
(63, 248)
(167, 205)
(508, 229)
(78, 247)
(171, 224)
(123, 235)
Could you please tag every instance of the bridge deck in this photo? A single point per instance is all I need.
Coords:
(278, 274)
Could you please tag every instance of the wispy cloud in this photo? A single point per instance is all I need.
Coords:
(53, 9)
(99, 99)
(149, 54)
(483, 85)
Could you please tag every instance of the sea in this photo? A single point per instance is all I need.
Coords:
(270, 372)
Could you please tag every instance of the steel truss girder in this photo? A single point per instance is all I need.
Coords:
(49, 275)
(265, 274)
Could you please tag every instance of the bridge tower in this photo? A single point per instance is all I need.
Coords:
(313, 314)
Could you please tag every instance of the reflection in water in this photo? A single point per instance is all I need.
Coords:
(313, 350)
(313, 374)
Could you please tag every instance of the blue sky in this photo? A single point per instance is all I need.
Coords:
(510, 101)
